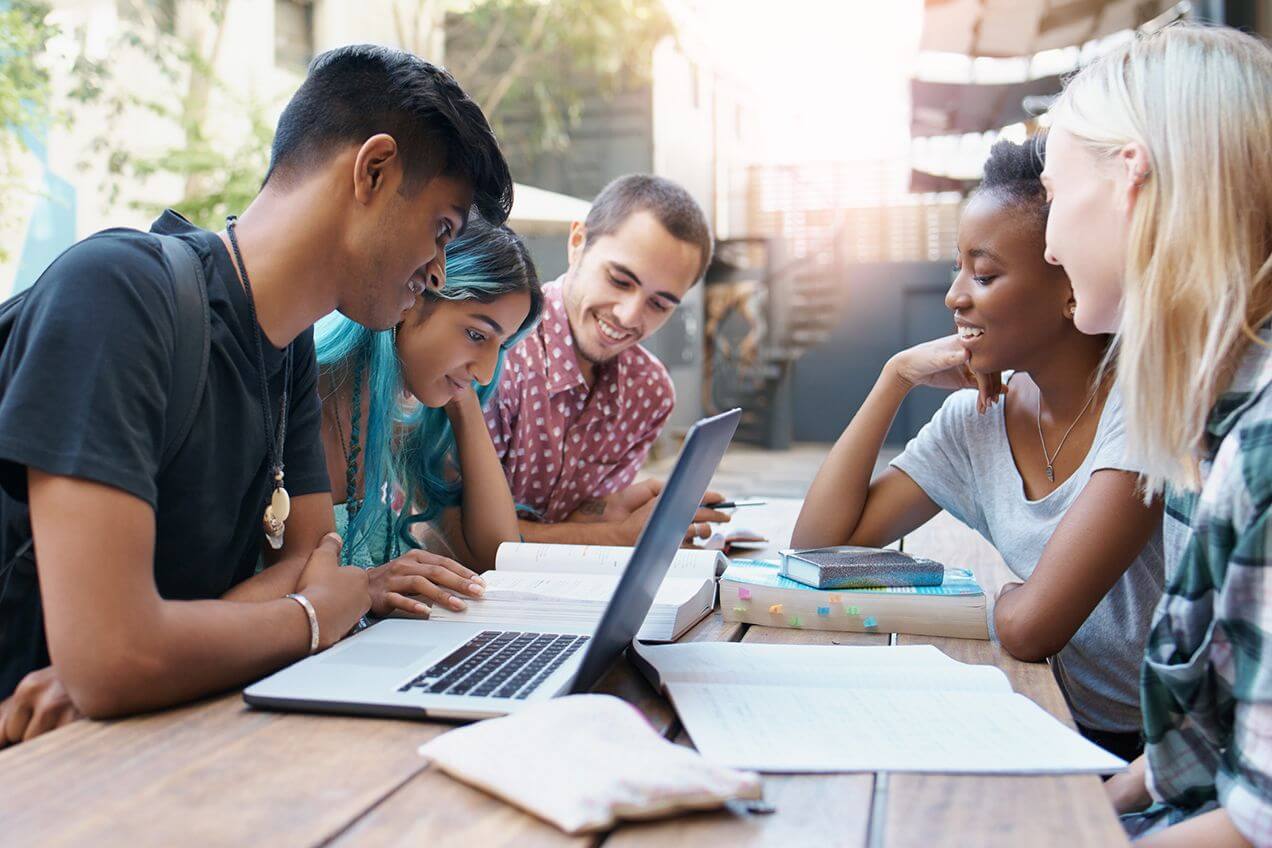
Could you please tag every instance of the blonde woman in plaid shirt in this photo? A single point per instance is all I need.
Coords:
(1159, 172)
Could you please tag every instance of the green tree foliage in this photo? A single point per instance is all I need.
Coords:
(536, 63)
(24, 86)
(218, 177)
(24, 82)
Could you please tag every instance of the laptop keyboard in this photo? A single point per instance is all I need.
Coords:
(497, 664)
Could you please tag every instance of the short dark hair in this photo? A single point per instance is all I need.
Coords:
(351, 93)
(674, 208)
(1014, 173)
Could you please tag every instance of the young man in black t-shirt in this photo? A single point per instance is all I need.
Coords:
(142, 590)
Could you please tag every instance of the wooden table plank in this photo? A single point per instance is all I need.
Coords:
(828, 810)
(924, 809)
(215, 771)
(434, 809)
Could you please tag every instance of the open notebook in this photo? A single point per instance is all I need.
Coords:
(532, 583)
(822, 708)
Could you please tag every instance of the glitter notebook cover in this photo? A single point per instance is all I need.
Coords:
(853, 567)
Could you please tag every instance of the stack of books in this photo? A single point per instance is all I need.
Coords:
(755, 592)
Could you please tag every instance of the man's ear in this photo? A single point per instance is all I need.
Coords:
(376, 165)
(576, 243)
(1136, 169)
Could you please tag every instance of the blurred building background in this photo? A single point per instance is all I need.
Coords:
(832, 145)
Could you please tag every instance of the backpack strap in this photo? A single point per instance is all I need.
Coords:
(193, 332)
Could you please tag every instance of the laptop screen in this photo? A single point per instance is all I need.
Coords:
(660, 539)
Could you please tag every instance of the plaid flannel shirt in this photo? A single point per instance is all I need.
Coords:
(1206, 682)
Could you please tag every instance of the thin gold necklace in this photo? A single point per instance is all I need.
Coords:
(1051, 459)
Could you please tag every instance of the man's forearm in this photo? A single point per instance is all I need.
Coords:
(275, 581)
(197, 648)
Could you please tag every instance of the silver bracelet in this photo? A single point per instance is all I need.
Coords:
(313, 619)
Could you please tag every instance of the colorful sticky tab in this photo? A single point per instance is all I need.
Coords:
(832, 599)
(795, 622)
(739, 609)
(744, 594)
(823, 610)
(776, 609)
(870, 621)
(853, 610)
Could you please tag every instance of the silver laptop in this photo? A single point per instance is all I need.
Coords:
(452, 670)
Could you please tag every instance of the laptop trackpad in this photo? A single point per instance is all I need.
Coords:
(381, 654)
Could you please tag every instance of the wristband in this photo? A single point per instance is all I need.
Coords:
(312, 615)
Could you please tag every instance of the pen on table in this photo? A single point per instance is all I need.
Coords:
(732, 504)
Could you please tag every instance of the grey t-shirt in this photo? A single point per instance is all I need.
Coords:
(962, 460)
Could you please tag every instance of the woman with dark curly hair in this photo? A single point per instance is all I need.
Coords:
(1038, 470)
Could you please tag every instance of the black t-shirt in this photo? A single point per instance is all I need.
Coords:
(84, 379)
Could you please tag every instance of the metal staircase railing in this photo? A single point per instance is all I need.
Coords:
(764, 310)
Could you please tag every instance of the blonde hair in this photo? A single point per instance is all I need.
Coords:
(1198, 275)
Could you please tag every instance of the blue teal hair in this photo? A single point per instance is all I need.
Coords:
(414, 449)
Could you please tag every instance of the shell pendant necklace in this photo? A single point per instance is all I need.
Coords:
(278, 509)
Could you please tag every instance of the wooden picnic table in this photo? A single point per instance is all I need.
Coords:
(220, 773)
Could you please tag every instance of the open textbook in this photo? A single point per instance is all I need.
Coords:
(824, 708)
(534, 583)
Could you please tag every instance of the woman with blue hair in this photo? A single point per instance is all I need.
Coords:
(403, 428)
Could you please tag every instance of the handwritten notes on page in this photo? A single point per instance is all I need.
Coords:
(805, 708)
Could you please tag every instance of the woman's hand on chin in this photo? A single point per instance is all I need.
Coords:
(464, 403)
(943, 364)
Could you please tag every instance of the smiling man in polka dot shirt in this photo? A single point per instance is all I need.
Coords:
(580, 401)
